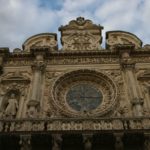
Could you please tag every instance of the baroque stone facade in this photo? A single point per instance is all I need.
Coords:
(78, 97)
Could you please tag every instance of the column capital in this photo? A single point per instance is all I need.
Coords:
(127, 64)
(124, 51)
(38, 66)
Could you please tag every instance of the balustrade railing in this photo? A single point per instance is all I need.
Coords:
(74, 124)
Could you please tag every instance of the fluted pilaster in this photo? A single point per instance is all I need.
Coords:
(128, 67)
(38, 68)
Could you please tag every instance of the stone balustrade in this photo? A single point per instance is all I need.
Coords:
(74, 124)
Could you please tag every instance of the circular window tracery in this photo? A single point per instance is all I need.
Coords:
(101, 100)
(84, 97)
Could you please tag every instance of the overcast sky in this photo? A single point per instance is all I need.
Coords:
(20, 19)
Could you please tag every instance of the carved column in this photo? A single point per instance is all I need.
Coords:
(147, 142)
(136, 100)
(87, 140)
(38, 68)
(1, 99)
(56, 142)
(3, 54)
(118, 142)
(25, 142)
(129, 66)
(22, 99)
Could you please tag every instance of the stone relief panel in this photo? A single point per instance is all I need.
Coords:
(14, 87)
(123, 108)
(81, 60)
(13, 62)
(81, 41)
(48, 109)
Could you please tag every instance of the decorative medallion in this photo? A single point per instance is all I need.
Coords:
(84, 93)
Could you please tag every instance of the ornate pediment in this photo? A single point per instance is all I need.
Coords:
(16, 77)
(41, 40)
(80, 35)
(80, 23)
(114, 38)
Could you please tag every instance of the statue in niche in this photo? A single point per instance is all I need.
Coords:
(12, 106)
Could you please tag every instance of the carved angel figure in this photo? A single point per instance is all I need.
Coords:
(12, 106)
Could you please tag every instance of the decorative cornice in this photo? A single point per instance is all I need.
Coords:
(43, 50)
(122, 48)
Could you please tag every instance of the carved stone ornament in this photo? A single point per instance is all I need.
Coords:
(114, 38)
(69, 97)
(14, 77)
(81, 35)
(39, 40)
(38, 66)
(80, 41)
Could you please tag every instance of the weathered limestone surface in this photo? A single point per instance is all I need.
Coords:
(35, 82)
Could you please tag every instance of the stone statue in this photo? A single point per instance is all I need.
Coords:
(57, 140)
(12, 106)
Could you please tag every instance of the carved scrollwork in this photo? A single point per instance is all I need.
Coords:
(121, 37)
(41, 40)
(81, 40)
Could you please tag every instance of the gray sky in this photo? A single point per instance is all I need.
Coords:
(20, 19)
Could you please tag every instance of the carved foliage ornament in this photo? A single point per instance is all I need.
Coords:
(114, 38)
(69, 94)
(40, 40)
(81, 40)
